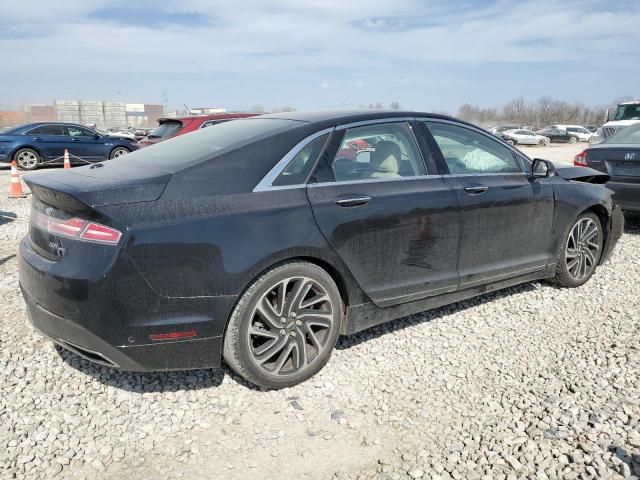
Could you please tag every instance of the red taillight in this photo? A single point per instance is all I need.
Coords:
(173, 335)
(94, 232)
(75, 228)
(580, 160)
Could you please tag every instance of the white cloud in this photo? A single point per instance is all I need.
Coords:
(324, 85)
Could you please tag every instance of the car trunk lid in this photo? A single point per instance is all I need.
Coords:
(621, 162)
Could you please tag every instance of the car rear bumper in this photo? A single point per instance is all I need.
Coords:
(113, 329)
(174, 355)
(627, 195)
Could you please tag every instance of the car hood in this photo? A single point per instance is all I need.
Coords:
(581, 174)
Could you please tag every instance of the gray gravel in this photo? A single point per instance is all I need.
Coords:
(530, 382)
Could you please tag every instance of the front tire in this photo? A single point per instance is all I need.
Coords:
(580, 251)
(284, 327)
(27, 159)
(542, 143)
(573, 140)
(118, 152)
(511, 142)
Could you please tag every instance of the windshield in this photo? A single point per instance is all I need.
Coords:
(208, 143)
(627, 112)
(165, 130)
(626, 135)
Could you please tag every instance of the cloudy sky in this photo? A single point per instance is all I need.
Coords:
(427, 55)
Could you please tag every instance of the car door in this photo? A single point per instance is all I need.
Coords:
(85, 144)
(49, 140)
(505, 216)
(391, 218)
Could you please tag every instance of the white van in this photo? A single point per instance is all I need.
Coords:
(578, 130)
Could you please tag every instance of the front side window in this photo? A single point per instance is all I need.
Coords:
(78, 132)
(380, 151)
(298, 169)
(468, 152)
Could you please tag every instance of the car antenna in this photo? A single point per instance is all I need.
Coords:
(185, 106)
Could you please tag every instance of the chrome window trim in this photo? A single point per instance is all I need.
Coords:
(266, 184)
(364, 123)
(372, 180)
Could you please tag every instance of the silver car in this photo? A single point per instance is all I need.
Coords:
(524, 137)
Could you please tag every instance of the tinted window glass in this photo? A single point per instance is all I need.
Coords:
(208, 143)
(47, 130)
(165, 130)
(626, 135)
(467, 151)
(297, 171)
(381, 151)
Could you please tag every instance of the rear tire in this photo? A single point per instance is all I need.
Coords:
(573, 139)
(285, 325)
(27, 159)
(580, 251)
(511, 142)
(542, 143)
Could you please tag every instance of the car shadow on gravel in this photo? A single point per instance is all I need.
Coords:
(632, 460)
(632, 223)
(430, 315)
(145, 382)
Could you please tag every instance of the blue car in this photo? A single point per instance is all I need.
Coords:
(34, 144)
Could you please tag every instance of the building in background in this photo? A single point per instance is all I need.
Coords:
(115, 114)
(67, 110)
(9, 118)
(153, 113)
(41, 113)
(92, 113)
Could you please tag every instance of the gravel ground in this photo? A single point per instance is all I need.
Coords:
(556, 152)
(529, 382)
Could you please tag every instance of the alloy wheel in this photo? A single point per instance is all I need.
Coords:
(581, 252)
(27, 159)
(290, 326)
(119, 152)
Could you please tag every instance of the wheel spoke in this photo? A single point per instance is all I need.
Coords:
(284, 356)
(591, 232)
(571, 253)
(589, 255)
(269, 350)
(300, 345)
(258, 332)
(314, 340)
(322, 320)
(300, 290)
(572, 265)
(268, 313)
(313, 301)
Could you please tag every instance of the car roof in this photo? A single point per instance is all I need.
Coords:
(204, 118)
(348, 116)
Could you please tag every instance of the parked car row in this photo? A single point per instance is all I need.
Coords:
(552, 134)
(36, 144)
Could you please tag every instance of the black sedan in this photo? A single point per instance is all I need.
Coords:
(34, 144)
(619, 157)
(262, 240)
(558, 136)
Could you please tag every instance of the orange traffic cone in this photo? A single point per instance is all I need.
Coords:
(67, 163)
(15, 187)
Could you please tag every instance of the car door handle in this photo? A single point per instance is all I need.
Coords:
(75, 139)
(37, 139)
(475, 189)
(353, 201)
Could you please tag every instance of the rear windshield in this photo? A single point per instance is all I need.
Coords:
(628, 135)
(208, 143)
(165, 130)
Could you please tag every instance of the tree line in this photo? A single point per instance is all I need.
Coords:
(540, 113)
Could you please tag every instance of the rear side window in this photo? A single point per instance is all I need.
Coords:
(73, 131)
(165, 130)
(208, 143)
(47, 130)
(382, 151)
(298, 169)
(468, 152)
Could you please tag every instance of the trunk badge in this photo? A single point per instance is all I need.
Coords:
(630, 156)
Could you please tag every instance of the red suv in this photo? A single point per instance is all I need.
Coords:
(172, 127)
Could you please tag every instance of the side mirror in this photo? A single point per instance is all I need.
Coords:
(541, 168)
(595, 139)
(96, 137)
